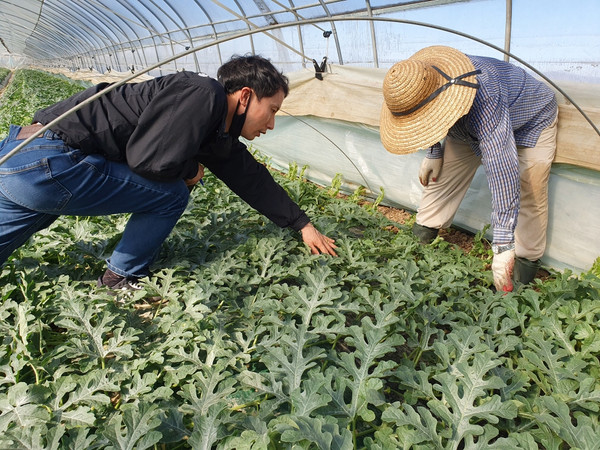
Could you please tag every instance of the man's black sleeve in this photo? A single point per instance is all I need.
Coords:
(249, 179)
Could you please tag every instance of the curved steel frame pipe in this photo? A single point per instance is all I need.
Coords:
(297, 23)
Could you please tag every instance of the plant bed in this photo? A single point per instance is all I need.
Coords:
(28, 91)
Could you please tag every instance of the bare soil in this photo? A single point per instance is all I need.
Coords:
(462, 239)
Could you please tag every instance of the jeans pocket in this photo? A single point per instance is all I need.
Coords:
(32, 186)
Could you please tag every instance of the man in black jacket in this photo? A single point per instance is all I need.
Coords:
(137, 150)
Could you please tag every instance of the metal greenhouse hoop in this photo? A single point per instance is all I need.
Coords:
(295, 24)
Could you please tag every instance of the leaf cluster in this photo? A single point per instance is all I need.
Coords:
(4, 73)
(28, 91)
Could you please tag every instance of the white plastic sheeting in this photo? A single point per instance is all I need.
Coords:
(331, 125)
(354, 94)
(329, 147)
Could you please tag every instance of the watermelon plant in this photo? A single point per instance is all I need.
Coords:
(241, 339)
(4, 73)
(30, 90)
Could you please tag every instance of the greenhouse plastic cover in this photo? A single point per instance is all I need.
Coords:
(329, 147)
(560, 38)
(332, 122)
(329, 142)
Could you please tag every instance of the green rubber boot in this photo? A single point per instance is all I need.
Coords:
(425, 234)
(525, 270)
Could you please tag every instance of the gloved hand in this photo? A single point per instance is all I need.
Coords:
(430, 169)
(502, 269)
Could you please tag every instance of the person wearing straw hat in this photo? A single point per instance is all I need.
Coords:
(470, 110)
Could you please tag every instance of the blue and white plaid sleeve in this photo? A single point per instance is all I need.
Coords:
(501, 163)
(436, 151)
(510, 108)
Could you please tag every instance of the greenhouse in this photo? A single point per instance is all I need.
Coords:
(284, 297)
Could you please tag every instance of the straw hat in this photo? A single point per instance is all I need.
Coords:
(410, 119)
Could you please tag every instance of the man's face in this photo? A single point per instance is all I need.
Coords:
(260, 115)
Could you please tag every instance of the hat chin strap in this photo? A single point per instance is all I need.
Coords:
(459, 80)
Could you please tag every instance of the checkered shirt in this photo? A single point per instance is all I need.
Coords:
(510, 108)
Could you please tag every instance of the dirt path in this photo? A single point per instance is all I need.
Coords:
(462, 239)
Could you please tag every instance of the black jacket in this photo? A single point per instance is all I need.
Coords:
(163, 128)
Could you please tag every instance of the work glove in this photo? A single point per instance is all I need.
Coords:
(502, 270)
(430, 170)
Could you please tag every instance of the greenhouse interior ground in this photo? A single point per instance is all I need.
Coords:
(240, 337)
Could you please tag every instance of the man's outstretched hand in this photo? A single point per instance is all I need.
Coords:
(318, 243)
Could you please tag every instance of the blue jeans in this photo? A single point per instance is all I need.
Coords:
(47, 179)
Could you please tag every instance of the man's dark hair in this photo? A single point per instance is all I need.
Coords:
(254, 72)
